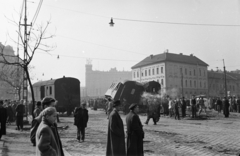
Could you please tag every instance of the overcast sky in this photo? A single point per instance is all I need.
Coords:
(82, 31)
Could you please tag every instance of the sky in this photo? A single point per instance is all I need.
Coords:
(210, 30)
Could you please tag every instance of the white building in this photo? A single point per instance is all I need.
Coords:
(188, 74)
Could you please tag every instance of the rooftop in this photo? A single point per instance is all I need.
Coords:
(170, 57)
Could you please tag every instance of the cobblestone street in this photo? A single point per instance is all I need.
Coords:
(215, 135)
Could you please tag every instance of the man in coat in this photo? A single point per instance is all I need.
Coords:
(135, 133)
(3, 119)
(48, 142)
(116, 137)
(226, 107)
(20, 110)
(193, 106)
(109, 107)
(80, 120)
(183, 106)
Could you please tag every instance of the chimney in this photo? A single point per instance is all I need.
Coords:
(180, 54)
(191, 54)
(63, 76)
(151, 56)
(166, 51)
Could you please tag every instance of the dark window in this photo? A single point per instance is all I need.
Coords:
(185, 71)
(50, 90)
(161, 69)
(157, 70)
(149, 72)
(162, 82)
(194, 73)
(153, 71)
(145, 72)
(186, 83)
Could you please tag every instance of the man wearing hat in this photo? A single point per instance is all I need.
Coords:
(80, 120)
(193, 106)
(135, 133)
(46, 102)
(116, 137)
(20, 110)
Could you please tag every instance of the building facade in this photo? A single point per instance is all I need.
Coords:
(97, 82)
(186, 74)
(216, 80)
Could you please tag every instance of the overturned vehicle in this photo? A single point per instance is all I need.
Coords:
(129, 92)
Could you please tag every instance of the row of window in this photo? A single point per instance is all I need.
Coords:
(147, 72)
(191, 83)
(194, 72)
(221, 86)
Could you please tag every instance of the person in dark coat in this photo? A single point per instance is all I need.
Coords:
(226, 107)
(20, 110)
(194, 107)
(3, 119)
(116, 136)
(38, 109)
(238, 104)
(176, 109)
(80, 120)
(109, 107)
(135, 133)
(183, 106)
(48, 142)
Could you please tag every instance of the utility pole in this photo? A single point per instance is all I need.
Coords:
(225, 79)
(25, 57)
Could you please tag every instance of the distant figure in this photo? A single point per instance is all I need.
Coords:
(238, 104)
(176, 109)
(135, 133)
(20, 110)
(201, 106)
(226, 107)
(38, 109)
(48, 142)
(116, 136)
(3, 119)
(183, 106)
(80, 120)
(193, 107)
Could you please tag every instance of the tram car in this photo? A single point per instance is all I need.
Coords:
(65, 90)
(129, 92)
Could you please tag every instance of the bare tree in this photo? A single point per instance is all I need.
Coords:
(31, 42)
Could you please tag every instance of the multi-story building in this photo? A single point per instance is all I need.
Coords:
(186, 74)
(216, 83)
(97, 82)
(7, 90)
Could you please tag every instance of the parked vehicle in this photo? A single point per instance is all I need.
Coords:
(65, 90)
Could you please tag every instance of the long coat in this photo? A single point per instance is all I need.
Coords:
(116, 137)
(135, 135)
(3, 120)
(48, 142)
(226, 107)
(81, 117)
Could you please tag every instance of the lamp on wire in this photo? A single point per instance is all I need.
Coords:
(58, 57)
(111, 22)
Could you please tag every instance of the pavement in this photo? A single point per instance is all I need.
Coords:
(207, 136)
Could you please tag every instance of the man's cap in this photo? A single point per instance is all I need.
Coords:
(47, 100)
(132, 106)
(116, 103)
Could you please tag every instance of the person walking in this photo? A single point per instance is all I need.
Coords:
(47, 138)
(135, 133)
(3, 119)
(80, 120)
(20, 110)
(219, 104)
(193, 105)
(116, 136)
(153, 111)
